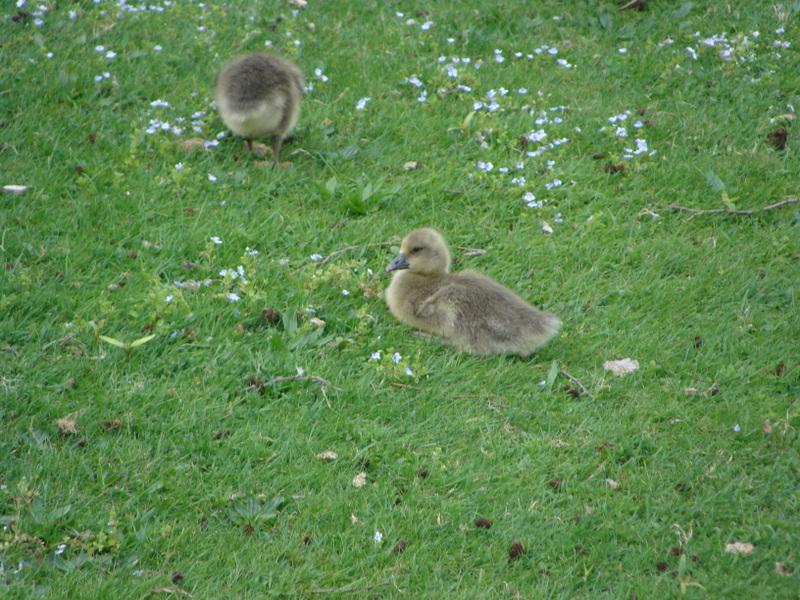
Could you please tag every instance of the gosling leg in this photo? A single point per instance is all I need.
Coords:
(277, 140)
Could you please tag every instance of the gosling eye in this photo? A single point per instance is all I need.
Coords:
(416, 249)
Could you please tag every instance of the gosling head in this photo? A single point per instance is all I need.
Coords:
(424, 252)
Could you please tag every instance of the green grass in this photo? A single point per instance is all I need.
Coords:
(630, 490)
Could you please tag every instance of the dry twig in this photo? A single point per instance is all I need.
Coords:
(350, 590)
(261, 386)
(576, 382)
(403, 385)
(697, 212)
(340, 251)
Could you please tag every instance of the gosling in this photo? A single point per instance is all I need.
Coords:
(258, 95)
(466, 309)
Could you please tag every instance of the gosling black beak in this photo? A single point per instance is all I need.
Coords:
(398, 263)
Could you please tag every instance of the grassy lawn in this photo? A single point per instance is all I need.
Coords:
(185, 331)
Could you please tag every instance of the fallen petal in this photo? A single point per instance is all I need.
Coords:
(621, 367)
(782, 569)
(327, 455)
(16, 189)
(740, 548)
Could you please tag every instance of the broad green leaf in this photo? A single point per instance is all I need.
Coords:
(143, 340)
(715, 182)
(551, 376)
(112, 341)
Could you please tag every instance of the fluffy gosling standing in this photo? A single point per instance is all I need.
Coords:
(465, 309)
(258, 95)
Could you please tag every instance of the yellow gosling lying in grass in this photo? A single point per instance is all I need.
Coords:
(465, 309)
(258, 95)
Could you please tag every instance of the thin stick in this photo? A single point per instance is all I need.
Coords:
(697, 212)
(576, 382)
(261, 386)
(781, 203)
(337, 252)
(341, 250)
(403, 385)
(350, 590)
(304, 378)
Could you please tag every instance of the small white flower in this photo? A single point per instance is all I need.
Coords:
(553, 51)
(201, 29)
(316, 257)
(300, 371)
(212, 177)
(736, 428)
(362, 103)
(100, 48)
(409, 372)
(111, 54)
(376, 355)
(179, 167)
(522, 91)
(426, 25)
(169, 298)
(622, 50)
(211, 143)
(531, 200)
(250, 251)
(233, 297)
(159, 103)
(423, 97)
(553, 184)
(60, 549)
(216, 240)
(621, 132)
(692, 53)
(158, 48)
(537, 136)
(378, 537)
(396, 358)
(345, 293)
